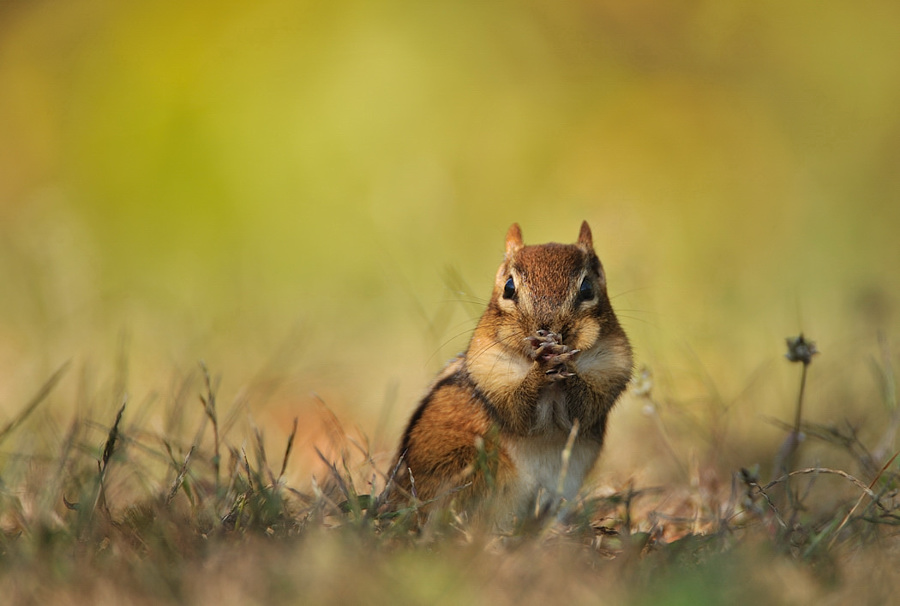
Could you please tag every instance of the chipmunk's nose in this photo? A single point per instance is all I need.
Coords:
(548, 317)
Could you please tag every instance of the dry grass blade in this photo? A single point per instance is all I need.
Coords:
(261, 459)
(57, 479)
(382, 497)
(750, 479)
(103, 464)
(888, 382)
(333, 426)
(247, 468)
(36, 401)
(336, 474)
(110, 446)
(234, 470)
(179, 479)
(287, 450)
(816, 470)
(209, 407)
(860, 499)
(566, 456)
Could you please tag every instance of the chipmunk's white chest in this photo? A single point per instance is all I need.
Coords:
(541, 476)
(552, 412)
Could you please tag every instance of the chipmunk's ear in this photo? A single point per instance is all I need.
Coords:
(584, 237)
(513, 239)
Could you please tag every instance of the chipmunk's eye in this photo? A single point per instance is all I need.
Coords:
(509, 289)
(586, 290)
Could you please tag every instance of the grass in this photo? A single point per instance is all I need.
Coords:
(104, 509)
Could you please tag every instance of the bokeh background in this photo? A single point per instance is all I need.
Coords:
(312, 198)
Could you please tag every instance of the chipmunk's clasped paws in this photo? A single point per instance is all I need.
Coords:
(548, 350)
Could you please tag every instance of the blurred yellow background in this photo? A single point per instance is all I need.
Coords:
(312, 197)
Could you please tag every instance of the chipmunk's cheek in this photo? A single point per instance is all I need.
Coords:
(610, 356)
(496, 369)
(587, 333)
(514, 341)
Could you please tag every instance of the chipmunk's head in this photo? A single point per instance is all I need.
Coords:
(558, 288)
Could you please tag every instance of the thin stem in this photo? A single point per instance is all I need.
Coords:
(800, 400)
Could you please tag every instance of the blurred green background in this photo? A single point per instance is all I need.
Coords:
(312, 197)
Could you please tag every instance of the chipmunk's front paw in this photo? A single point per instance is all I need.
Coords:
(548, 350)
(545, 345)
(558, 366)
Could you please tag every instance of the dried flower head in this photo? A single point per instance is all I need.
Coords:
(800, 350)
(642, 382)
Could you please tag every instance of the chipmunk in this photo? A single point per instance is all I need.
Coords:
(544, 367)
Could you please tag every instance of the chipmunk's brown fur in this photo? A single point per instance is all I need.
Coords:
(547, 355)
